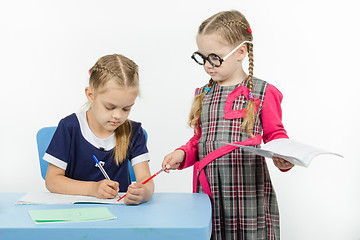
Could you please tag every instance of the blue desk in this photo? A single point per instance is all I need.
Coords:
(166, 216)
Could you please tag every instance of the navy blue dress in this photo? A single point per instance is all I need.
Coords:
(73, 146)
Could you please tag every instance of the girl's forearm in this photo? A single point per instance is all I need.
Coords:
(149, 190)
(64, 185)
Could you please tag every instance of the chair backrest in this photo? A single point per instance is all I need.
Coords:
(132, 173)
(43, 139)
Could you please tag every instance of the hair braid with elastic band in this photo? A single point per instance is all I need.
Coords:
(195, 112)
(249, 119)
(245, 31)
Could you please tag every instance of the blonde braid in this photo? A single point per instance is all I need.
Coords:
(195, 112)
(235, 22)
(245, 31)
(251, 61)
(249, 119)
(236, 31)
(100, 68)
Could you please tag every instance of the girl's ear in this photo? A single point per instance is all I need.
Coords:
(241, 53)
(90, 95)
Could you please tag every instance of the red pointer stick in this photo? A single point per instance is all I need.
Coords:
(145, 181)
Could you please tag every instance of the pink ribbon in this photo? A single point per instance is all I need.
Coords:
(199, 166)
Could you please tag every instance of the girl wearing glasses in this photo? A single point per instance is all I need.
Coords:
(233, 107)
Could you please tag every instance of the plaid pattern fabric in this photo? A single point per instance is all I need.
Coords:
(244, 202)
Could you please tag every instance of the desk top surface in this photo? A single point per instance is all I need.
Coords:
(165, 211)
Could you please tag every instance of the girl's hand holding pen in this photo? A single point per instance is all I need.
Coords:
(106, 189)
(172, 160)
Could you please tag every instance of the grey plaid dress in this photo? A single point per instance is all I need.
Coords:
(243, 199)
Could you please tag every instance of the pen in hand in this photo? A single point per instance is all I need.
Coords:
(146, 181)
(102, 169)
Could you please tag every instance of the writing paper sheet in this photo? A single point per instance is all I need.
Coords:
(54, 198)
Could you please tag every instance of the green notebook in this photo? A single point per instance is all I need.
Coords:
(71, 215)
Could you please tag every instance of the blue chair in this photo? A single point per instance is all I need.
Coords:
(43, 138)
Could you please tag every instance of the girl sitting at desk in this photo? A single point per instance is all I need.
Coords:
(104, 131)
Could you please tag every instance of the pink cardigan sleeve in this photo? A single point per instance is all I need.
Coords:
(271, 115)
(191, 147)
(191, 151)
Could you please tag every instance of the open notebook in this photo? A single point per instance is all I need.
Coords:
(292, 151)
(54, 198)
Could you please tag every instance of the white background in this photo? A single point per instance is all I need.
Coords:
(307, 49)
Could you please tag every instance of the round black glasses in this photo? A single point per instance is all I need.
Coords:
(212, 58)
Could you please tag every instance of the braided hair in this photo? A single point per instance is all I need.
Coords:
(233, 27)
(123, 71)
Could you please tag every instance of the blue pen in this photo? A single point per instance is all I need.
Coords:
(102, 169)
